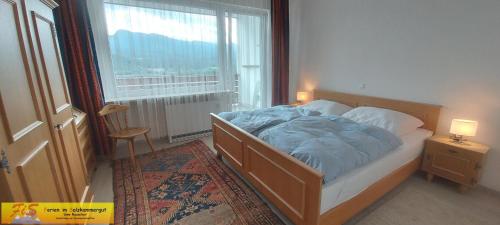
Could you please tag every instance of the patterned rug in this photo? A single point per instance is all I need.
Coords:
(185, 185)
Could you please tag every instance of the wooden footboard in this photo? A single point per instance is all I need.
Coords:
(292, 186)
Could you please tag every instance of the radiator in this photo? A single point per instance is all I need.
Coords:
(177, 119)
(192, 120)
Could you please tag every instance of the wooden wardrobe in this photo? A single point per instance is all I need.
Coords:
(40, 155)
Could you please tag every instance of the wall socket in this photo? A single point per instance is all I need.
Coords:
(362, 86)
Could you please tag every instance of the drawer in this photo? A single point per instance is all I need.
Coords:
(452, 167)
(83, 124)
(442, 148)
(83, 132)
(454, 164)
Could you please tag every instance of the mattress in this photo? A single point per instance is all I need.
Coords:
(351, 184)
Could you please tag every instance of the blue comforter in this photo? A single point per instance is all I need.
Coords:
(258, 120)
(330, 144)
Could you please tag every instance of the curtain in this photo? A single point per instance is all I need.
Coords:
(159, 55)
(295, 32)
(280, 40)
(81, 71)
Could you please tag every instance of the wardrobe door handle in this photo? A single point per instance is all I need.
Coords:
(453, 151)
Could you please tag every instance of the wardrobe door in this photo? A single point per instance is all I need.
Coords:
(32, 172)
(51, 76)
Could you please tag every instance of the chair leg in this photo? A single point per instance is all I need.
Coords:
(132, 152)
(150, 143)
(113, 148)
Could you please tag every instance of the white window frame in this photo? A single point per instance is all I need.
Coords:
(221, 7)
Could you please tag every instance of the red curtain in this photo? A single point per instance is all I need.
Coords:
(280, 40)
(80, 65)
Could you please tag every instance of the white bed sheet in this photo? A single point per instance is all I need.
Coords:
(356, 181)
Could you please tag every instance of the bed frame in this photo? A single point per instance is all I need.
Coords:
(295, 188)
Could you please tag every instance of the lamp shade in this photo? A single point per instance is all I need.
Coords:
(302, 96)
(463, 127)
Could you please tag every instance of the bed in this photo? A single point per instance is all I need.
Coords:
(298, 191)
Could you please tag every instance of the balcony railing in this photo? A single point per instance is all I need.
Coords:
(136, 86)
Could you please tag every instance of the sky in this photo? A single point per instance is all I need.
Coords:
(173, 24)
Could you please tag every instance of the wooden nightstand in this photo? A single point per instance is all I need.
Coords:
(461, 163)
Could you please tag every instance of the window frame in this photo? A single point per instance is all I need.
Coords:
(220, 9)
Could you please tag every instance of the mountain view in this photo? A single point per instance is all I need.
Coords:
(140, 54)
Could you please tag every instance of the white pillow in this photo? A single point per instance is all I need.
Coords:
(397, 123)
(326, 107)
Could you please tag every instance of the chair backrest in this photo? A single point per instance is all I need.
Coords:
(115, 117)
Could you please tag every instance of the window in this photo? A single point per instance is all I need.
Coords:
(165, 49)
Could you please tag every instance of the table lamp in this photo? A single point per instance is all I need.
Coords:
(302, 96)
(460, 128)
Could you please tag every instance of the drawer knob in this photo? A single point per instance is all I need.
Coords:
(453, 151)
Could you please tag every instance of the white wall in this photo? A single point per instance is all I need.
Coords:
(444, 52)
(295, 7)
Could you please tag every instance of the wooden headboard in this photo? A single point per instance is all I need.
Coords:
(428, 113)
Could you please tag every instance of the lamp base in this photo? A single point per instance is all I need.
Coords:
(458, 139)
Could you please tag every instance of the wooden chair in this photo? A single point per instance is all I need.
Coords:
(119, 129)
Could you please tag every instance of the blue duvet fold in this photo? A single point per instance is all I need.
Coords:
(330, 144)
(258, 120)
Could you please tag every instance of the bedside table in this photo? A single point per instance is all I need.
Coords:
(461, 163)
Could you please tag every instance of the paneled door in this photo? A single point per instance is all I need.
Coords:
(29, 171)
(50, 74)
